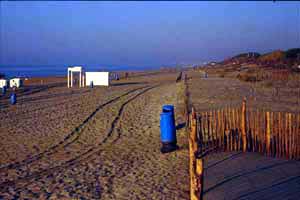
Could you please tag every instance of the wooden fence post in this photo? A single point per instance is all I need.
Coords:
(192, 169)
(286, 135)
(196, 165)
(280, 149)
(290, 146)
(268, 133)
(193, 149)
(193, 135)
(298, 136)
(199, 178)
(219, 130)
(244, 125)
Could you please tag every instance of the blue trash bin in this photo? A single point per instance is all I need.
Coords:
(168, 129)
(169, 108)
(4, 90)
(13, 99)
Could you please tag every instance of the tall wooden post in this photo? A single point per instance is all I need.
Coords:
(268, 133)
(199, 178)
(192, 148)
(244, 125)
(196, 165)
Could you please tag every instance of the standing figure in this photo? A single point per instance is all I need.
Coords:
(3, 90)
(13, 98)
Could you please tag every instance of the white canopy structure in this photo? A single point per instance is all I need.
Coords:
(98, 78)
(81, 75)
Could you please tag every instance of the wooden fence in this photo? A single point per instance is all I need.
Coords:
(240, 129)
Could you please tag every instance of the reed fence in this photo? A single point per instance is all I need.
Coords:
(244, 129)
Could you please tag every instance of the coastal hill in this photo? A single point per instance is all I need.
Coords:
(242, 58)
(289, 59)
(273, 56)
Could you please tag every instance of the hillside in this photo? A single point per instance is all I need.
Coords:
(275, 59)
(274, 56)
(242, 58)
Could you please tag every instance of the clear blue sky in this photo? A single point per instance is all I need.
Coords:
(142, 33)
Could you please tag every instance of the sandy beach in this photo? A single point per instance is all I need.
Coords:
(92, 143)
(149, 100)
(104, 143)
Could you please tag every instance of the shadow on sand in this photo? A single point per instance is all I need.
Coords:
(180, 126)
(285, 185)
(127, 83)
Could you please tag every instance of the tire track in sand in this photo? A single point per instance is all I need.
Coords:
(78, 159)
(69, 139)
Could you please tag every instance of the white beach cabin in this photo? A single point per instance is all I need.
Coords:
(75, 69)
(3, 83)
(15, 82)
(98, 78)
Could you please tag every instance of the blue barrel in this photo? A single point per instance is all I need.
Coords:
(91, 84)
(168, 108)
(167, 128)
(13, 99)
(4, 90)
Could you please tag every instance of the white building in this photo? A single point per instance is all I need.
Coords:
(15, 82)
(3, 83)
(98, 78)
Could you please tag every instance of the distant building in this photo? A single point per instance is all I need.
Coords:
(15, 82)
(98, 78)
(3, 82)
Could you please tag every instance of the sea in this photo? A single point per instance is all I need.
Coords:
(47, 71)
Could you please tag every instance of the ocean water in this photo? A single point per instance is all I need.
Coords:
(45, 71)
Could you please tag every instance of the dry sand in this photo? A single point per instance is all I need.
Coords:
(215, 92)
(62, 143)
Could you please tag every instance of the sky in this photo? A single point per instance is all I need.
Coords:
(142, 33)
